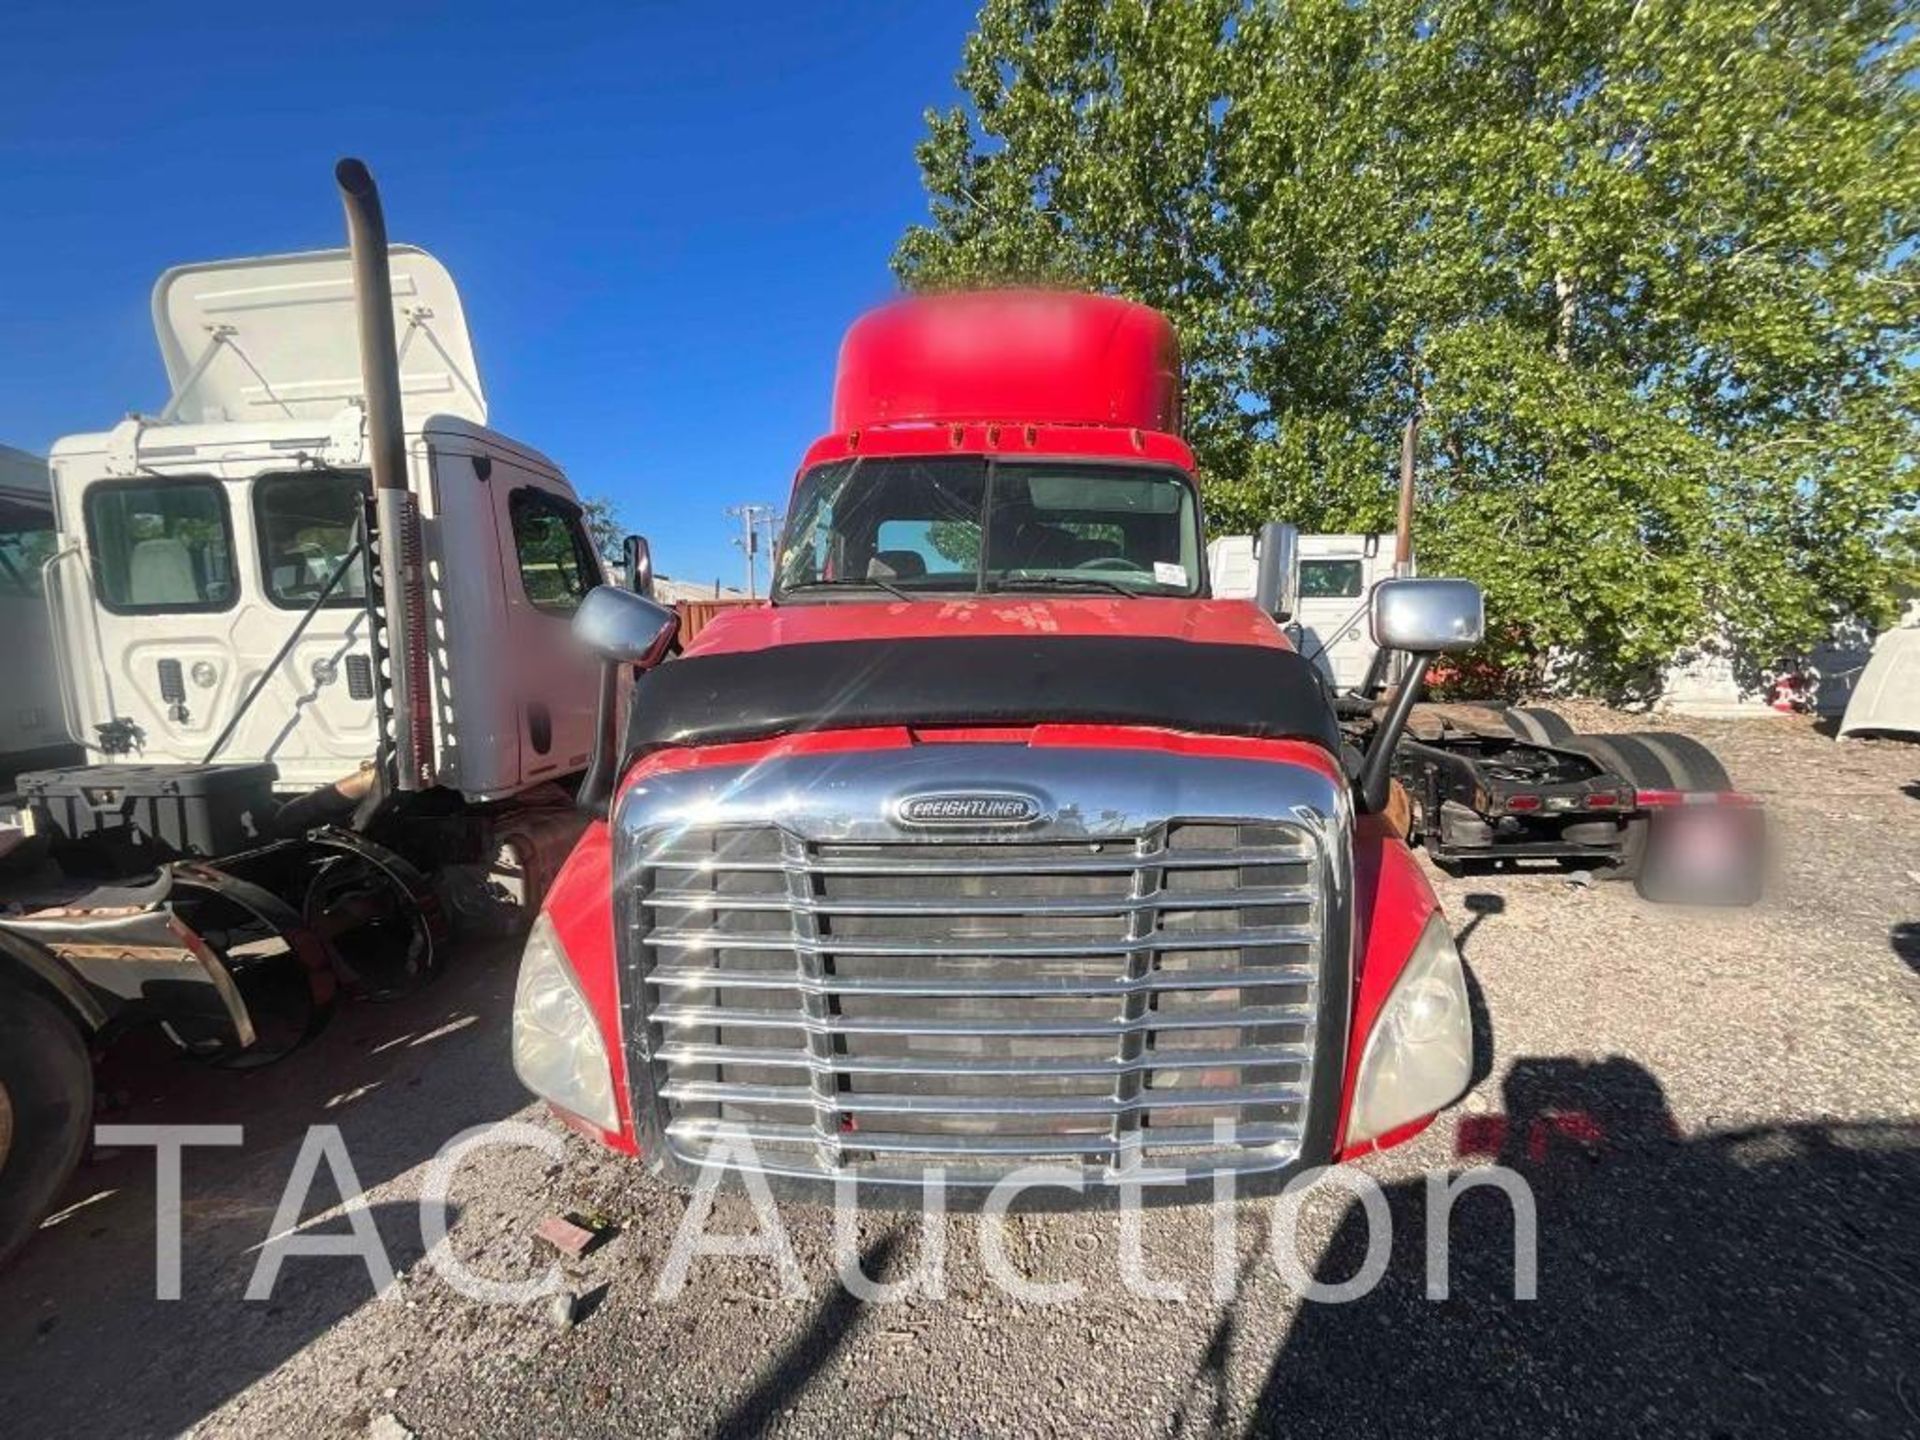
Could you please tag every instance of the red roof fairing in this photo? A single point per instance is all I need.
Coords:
(1019, 356)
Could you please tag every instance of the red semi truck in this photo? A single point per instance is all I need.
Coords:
(993, 840)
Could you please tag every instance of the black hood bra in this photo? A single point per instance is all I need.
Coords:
(1011, 680)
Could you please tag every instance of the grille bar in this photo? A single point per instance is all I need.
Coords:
(1239, 1017)
(888, 864)
(704, 1131)
(1251, 897)
(881, 1103)
(752, 1057)
(1016, 950)
(702, 978)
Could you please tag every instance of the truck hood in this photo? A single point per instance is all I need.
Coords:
(1200, 622)
(288, 345)
(1204, 668)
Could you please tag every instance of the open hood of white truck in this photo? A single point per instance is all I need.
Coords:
(274, 338)
(23, 474)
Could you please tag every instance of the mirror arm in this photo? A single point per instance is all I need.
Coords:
(596, 786)
(1376, 770)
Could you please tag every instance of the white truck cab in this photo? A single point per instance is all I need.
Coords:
(193, 542)
(1337, 575)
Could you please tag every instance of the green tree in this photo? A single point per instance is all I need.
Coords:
(957, 541)
(1645, 271)
(605, 528)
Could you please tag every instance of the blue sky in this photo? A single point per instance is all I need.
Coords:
(661, 216)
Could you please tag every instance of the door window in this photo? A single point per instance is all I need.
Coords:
(557, 563)
(307, 523)
(161, 546)
(27, 541)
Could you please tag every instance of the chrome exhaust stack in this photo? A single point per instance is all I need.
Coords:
(401, 567)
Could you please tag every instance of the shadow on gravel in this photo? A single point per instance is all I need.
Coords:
(1905, 940)
(1754, 1281)
(88, 1347)
(795, 1368)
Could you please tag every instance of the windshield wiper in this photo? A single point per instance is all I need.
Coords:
(867, 584)
(1061, 582)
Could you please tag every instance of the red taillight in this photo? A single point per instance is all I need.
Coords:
(1523, 802)
(1603, 800)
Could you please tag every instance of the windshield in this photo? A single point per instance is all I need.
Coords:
(970, 524)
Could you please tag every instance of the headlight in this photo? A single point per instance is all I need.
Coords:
(557, 1050)
(1419, 1058)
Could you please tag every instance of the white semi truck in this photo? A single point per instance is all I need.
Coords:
(31, 732)
(1337, 577)
(311, 620)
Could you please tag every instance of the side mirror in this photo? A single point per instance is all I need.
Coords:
(1277, 557)
(636, 565)
(1427, 617)
(1423, 618)
(623, 629)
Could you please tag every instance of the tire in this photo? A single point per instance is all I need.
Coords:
(1693, 765)
(1538, 724)
(1641, 767)
(46, 1106)
(1636, 763)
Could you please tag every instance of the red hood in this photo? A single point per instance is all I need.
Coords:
(1207, 622)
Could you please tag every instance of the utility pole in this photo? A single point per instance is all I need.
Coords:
(1403, 530)
(751, 517)
(773, 523)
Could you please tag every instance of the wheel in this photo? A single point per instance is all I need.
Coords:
(1641, 767)
(1538, 724)
(46, 1103)
(1694, 766)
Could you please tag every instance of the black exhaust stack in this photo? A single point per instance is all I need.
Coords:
(401, 570)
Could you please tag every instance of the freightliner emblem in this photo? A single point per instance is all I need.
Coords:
(964, 807)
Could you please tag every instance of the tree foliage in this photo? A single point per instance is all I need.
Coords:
(605, 528)
(1645, 269)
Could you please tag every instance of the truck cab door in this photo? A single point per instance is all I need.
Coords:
(551, 565)
(1332, 617)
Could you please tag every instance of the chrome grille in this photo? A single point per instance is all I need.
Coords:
(874, 1009)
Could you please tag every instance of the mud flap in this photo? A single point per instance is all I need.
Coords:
(1703, 854)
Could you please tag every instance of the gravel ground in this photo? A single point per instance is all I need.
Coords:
(1718, 1115)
